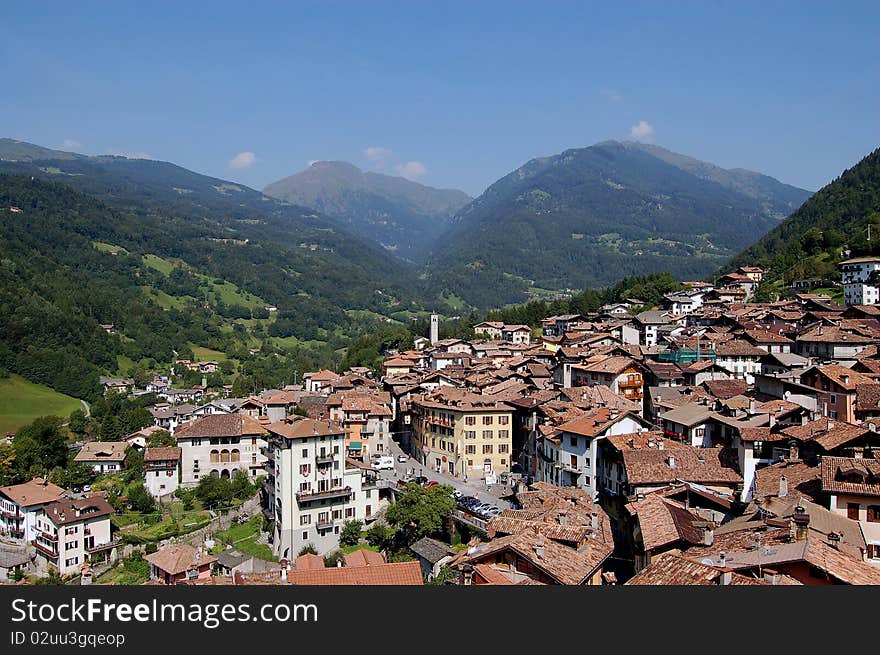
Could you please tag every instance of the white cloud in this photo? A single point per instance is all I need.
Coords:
(612, 95)
(643, 131)
(243, 160)
(71, 144)
(411, 170)
(128, 154)
(377, 154)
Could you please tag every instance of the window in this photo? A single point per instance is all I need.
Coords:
(503, 420)
(487, 449)
(470, 434)
(503, 447)
(487, 434)
(349, 512)
(573, 441)
(488, 420)
(873, 551)
(305, 535)
(573, 461)
(70, 545)
(852, 511)
(71, 562)
(305, 453)
(470, 449)
(874, 513)
(304, 469)
(305, 519)
(503, 434)
(470, 420)
(71, 530)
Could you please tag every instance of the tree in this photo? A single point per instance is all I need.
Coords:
(308, 549)
(77, 421)
(39, 447)
(187, 496)
(140, 499)
(160, 438)
(214, 492)
(380, 535)
(78, 474)
(420, 511)
(7, 464)
(351, 533)
(133, 464)
(240, 485)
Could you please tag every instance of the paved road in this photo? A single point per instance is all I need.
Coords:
(470, 488)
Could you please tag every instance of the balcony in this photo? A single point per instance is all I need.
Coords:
(328, 494)
(10, 515)
(99, 548)
(324, 524)
(47, 550)
(48, 536)
(325, 460)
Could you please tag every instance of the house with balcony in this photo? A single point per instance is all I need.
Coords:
(569, 455)
(853, 488)
(463, 434)
(624, 376)
(180, 563)
(68, 533)
(219, 445)
(19, 504)
(366, 417)
(311, 488)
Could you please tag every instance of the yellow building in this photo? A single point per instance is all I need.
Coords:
(462, 434)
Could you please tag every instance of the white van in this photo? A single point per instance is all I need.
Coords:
(383, 463)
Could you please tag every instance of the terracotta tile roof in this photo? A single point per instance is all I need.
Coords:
(608, 365)
(801, 479)
(725, 389)
(594, 422)
(565, 565)
(765, 336)
(663, 522)
(162, 454)
(828, 433)
(674, 570)
(36, 492)
(844, 377)
(179, 558)
(850, 475)
(364, 557)
(738, 348)
(832, 334)
(868, 397)
(322, 376)
(220, 425)
(102, 451)
(308, 562)
(64, 511)
(650, 466)
(302, 428)
(396, 574)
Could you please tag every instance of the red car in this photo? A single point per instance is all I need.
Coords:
(432, 483)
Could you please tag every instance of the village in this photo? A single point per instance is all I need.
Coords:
(712, 440)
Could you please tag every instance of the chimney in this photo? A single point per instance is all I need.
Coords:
(793, 450)
(725, 578)
(562, 518)
(771, 576)
(660, 445)
(834, 539)
(830, 426)
(283, 574)
(799, 524)
(772, 419)
(708, 535)
(671, 461)
(844, 379)
(783, 486)
(594, 520)
(539, 550)
(752, 407)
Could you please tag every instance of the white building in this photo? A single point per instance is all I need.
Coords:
(19, 504)
(311, 490)
(70, 532)
(569, 458)
(857, 286)
(162, 470)
(219, 445)
(103, 456)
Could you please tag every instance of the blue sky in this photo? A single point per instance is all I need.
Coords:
(451, 94)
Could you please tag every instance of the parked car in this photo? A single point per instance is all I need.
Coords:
(402, 459)
(383, 463)
(420, 479)
(432, 483)
(479, 509)
(456, 494)
(495, 511)
(87, 488)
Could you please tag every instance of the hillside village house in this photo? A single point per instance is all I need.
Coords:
(311, 489)
(462, 434)
(162, 470)
(67, 533)
(19, 504)
(853, 488)
(859, 285)
(569, 456)
(318, 381)
(179, 563)
(218, 445)
(103, 456)
(620, 374)
(366, 418)
(837, 388)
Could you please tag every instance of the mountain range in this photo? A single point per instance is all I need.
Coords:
(403, 216)
(590, 216)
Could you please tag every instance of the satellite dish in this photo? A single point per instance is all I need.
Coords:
(708, 561)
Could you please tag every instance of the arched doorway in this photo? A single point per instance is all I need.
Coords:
(224, 455)
(215, 455)
(225, 474)
(215, 473)
(236, 455)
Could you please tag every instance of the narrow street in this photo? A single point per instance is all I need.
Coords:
(475, 488)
